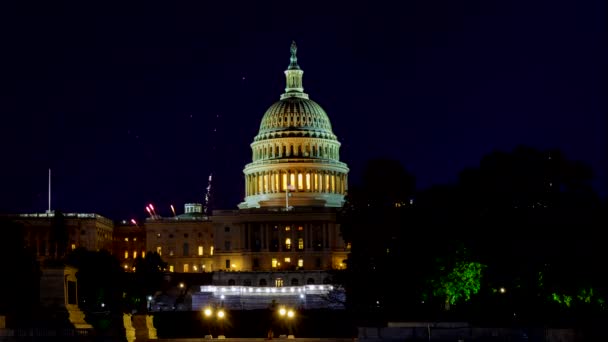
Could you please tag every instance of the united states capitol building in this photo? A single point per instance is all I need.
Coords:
(283, 241)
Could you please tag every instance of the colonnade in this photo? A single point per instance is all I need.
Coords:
(302, 181)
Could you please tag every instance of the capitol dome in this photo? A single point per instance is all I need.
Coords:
(295, 155)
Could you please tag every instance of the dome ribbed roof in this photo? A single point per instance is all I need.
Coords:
(296, 114)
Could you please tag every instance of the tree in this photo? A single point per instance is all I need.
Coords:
(458, 278)
(144, 282)
(58, 237)
(376, 205)
(18, 262)
(98, 274)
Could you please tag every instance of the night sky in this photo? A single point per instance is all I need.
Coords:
(137, 103)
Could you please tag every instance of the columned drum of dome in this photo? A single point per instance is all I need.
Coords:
(295, 151)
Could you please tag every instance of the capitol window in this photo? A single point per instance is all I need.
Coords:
(288, 244)
(274, 262)
(200, 250)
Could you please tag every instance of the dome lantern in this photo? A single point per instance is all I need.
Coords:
(293, 76)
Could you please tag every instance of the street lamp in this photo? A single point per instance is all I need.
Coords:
(287, 315)
(217, 316)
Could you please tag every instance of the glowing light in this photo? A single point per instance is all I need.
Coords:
(282, 311)
(134, 222)
(221, 314)
(173, 210)
(502, 290)
(290, 314)
(208, 312)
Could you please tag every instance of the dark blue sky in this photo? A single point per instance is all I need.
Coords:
(122, 100)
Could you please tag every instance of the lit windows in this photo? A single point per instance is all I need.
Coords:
(300, 182)
(287, 260)
(134, 254)
(143, 254)
(278, 282)
(159, 250)
(300, 262)
(126, 239)
(274, 262)
(288, 243)
(293, 179)
(211, 250)
(308, 181)
(73, 246)
(288, 228)
(170, 268)
(126, 254)
(200, 250)
(186, 268)
(300, 243)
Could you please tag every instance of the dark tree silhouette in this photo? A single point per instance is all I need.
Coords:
(18, 262)
(145, 281)
(99, 274)
(371, 221)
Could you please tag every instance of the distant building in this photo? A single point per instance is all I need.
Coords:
(91, 231)
(129, 243)
(185, 242)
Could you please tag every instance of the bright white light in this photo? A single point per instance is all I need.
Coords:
(282, 311)
(502, 290)
(208, 312)
(273, 290)
(221, 314)
(283, 290)
(292, 289)
(290, 313)
(302, 296)
(222, 297)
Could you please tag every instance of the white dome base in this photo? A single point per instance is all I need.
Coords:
(296, 199)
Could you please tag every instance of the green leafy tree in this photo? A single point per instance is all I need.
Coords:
(458, 278)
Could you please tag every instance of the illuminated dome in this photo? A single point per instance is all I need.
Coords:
(295, 115)
(295, 158)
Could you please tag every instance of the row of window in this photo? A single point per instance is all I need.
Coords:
(185, 250)
(186, 235)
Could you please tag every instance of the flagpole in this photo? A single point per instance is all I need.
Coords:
(49, 211)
